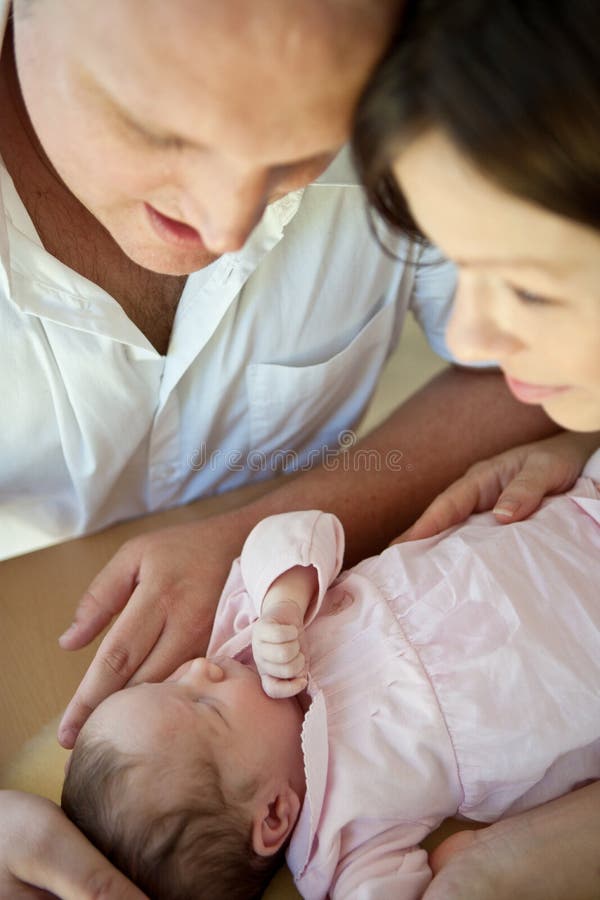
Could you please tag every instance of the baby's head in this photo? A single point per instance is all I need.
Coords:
(191, 787)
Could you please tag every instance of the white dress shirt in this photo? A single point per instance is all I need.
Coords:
(275, 350)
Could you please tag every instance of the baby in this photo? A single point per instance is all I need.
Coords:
(343, 718)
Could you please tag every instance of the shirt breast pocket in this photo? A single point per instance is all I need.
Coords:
(296, 409)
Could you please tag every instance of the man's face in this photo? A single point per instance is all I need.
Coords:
(176, 123)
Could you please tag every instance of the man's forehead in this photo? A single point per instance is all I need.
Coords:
(267, 80)
(280, 29)
(258, 18)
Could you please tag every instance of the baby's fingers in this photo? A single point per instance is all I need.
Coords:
(291, 669)
(280, 688)
(279, 653)
(273, 633)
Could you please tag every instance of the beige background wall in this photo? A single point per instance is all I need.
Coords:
(413, 363)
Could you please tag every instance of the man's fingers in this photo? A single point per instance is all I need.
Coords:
(105, 597)
(91, 617)
(171, 650)
(119, 656)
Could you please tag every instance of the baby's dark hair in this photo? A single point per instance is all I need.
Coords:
(198, 847)
(515, 84)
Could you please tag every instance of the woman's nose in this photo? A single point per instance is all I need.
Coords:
(475, 332)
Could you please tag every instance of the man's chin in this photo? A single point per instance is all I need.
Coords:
(174, 261)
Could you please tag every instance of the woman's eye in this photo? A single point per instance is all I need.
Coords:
(530, 297)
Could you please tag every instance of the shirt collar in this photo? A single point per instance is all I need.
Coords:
(40, 285)
(341, 172)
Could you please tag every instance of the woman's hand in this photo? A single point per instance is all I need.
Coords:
(548, 853)
(42, 854)
(513, 484)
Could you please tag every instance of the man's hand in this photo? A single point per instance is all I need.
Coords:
(548, 853)
(277, 650)
(42, 854)
(513, 484)
(165, 585)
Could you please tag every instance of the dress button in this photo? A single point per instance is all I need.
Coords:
(339, 603)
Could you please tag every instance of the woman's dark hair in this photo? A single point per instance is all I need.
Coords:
(515, 84)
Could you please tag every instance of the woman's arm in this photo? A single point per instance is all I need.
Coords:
(551, 852)
(42, 853)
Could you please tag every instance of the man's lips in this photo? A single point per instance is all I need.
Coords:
(171, 230)
(533, 393)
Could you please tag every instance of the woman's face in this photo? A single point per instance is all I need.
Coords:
(176, 122)
(529, 287)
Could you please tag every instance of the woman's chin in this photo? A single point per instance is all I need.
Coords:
(576, 413)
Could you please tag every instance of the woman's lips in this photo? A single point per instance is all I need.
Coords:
(532, 393)
(171, 230)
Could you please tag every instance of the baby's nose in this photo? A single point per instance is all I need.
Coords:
(206, 669)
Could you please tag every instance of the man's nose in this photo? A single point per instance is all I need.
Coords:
(475, 331)
(231, 207)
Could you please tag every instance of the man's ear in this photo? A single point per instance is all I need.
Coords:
(273, 823)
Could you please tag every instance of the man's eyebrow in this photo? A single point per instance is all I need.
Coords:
(114, 108)
(174, 141)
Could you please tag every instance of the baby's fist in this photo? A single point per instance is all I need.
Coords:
(277, 649)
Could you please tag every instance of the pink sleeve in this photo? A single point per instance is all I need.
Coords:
(234, 616)
(306, 538)
(382, 874)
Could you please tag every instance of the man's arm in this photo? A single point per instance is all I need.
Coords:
(166, 585)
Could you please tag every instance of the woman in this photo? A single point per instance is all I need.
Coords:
(482, 132)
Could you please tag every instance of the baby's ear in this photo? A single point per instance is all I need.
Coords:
(273, 824)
